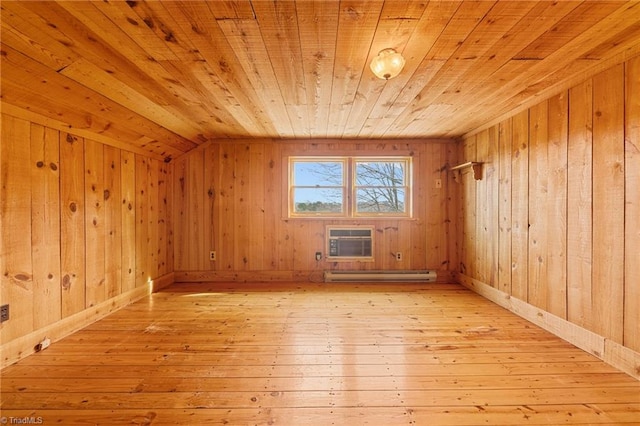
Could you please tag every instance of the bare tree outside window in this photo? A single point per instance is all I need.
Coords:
(380, 186)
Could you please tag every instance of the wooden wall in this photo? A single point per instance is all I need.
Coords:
(555, 221)
(231, 198)
(82, 223)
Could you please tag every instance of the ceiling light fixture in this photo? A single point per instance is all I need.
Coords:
(387, 64)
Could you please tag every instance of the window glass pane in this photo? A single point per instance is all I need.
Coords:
(380, 200)
(318, 173)
(380, 173)
(317, 200)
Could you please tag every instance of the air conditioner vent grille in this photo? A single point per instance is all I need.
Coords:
(350, 233)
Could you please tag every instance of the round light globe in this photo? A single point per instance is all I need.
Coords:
(387, 64)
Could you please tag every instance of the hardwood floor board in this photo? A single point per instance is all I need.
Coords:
(416, 362)
(424, 378)
(300, 338)
(421, 321)
(316, 354)
(295, 398)
(130, 379)
(431, 326)
(530, 414)
(192, 357)
(320, 314)
(70, 348)
(306, 336)
(312, 356)
(602, 414)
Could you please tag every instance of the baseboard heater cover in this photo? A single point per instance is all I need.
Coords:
(386, 276)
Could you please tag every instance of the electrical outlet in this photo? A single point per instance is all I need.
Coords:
(4, 313)
(398, 256)
(212, 255)
(318, 256)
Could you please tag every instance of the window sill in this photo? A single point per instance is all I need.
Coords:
(351, 219)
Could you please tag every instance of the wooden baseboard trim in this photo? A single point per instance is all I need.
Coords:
(239, 276)
(271, 276)
(612, 353)
(162, 282)
(17, 349)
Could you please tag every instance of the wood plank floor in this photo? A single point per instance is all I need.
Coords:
(316, 354)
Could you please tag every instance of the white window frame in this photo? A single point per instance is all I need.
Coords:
(349, 188)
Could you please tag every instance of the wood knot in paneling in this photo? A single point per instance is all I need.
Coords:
(353, 13)
(22, 277)
(170, 37)
(66, 282)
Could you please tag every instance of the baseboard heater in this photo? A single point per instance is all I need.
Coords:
(380, 276)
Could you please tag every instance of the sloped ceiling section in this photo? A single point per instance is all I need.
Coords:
(165, 76)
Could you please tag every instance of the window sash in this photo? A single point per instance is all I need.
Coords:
(339, 188)
(392, 190)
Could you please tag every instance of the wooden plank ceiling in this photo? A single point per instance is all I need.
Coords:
(167, 76)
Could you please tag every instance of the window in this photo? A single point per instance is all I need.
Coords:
(350, 186)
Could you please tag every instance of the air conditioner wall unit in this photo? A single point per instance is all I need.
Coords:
(425, 276)
(350, 243)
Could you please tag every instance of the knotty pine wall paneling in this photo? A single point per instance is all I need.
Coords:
(17, 268)
(128, 218)
(504, 142)
(164, 221)
(94, 223)
(143, 268)
(567, 213)
(45, 216)
(180, 246)
(580, 198)
(631, 334)
(231, 198)
(608, 204)
(538, 189)
(112, 221)
(84, 226)
(72, 220)
(519, 205)
(196, 214)
(152, 225)
(557, 114)
(256, 252)
(468, 208)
